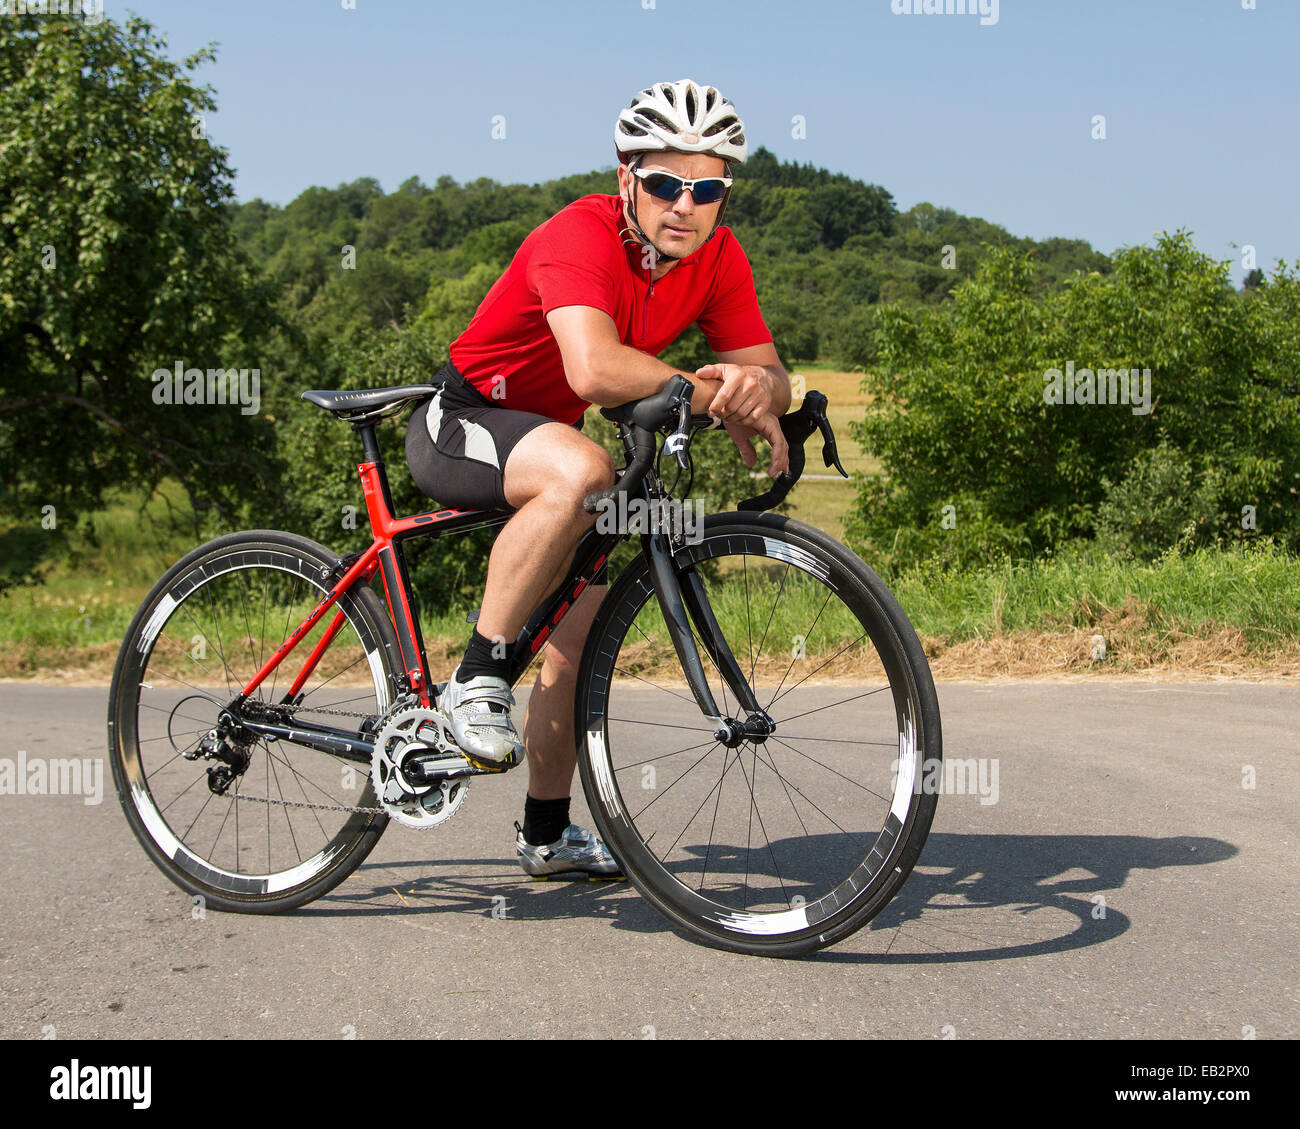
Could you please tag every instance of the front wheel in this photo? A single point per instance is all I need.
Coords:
(787, 843)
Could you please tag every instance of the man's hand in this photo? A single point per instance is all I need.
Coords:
(747, 392)
(768, 427)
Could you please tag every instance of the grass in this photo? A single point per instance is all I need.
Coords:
(1208, 612)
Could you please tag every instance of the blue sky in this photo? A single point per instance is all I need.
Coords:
(1201, 99)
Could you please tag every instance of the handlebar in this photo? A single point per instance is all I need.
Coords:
(672, 405)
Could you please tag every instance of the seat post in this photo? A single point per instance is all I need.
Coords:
(370, 448)
(369, 441)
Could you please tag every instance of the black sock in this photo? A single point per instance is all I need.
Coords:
(479, 659)
(544, 820)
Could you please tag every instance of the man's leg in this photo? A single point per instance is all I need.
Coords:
(548, 723)
(547, 475)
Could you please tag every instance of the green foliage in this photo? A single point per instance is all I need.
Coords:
(959, 415)
(1161, 494)
(117, 258)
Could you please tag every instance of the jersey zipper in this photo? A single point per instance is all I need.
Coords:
(645, 309)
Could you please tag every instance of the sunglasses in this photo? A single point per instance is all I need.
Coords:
(665, 186)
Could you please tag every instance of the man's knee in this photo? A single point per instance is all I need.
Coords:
(557, 463)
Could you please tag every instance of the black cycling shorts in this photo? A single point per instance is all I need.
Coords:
(457, 444)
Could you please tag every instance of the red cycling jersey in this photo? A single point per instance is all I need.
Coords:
(577, 258)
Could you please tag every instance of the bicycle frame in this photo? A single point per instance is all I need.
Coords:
(386, 556)
(680, 594)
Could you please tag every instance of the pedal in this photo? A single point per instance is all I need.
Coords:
(490, 767)
(432, 767)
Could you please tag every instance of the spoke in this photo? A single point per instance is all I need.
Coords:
(163, 810)
(766, 626)
(663, 756)
(629, 674)
(360, 659)
(753, 800)
(261, 643)
(839, 740)
(340, 702)
(202, 808)
(284, 631)
(270, 764)
(158, 771)
(771, 764)
(299, 778)
(843, 702)
(834, 772)
(807, 637)
(243, 604)
(212, 852)
(216, 624)
(708, 849)
(660, 795)
(289, 768)
(726, 762)
(187, 654)
(830, 660)
(749, 630)
(815, 807)
(660, 724)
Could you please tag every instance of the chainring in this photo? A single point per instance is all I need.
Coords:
(405, 734)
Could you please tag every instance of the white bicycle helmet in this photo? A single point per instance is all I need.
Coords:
(681, 117)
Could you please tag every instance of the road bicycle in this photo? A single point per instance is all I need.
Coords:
(753, 709)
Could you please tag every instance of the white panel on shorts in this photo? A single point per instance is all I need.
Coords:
(479, 444)
(433, 420)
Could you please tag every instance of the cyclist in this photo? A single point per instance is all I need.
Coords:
(590, 298)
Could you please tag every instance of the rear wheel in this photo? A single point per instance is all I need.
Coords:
(794, 841)
(285, 830)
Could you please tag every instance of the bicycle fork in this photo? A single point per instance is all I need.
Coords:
(681, 595)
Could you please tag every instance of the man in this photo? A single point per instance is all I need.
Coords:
(589, 299)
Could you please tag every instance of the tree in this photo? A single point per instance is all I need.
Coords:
(117, 260)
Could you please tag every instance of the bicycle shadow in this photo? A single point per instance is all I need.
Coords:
(962, 903)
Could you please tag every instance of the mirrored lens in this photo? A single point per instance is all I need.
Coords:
(666, 187)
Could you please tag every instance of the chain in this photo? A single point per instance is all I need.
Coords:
(305, 804)
(293, 710)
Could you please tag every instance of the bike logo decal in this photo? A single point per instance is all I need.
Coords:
(598, 758)
(906, 775)
(742, 921)
(798, 557)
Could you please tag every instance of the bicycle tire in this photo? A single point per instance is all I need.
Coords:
(876, 856)
(279, 560)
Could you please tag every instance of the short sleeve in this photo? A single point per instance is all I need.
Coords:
(731, 318)
(574, 264)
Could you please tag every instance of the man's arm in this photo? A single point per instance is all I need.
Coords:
(604, 371)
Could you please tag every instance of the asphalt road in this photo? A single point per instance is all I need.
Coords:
(1128, 794)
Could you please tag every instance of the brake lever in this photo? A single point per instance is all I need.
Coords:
(830, 453)
(676, 442)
